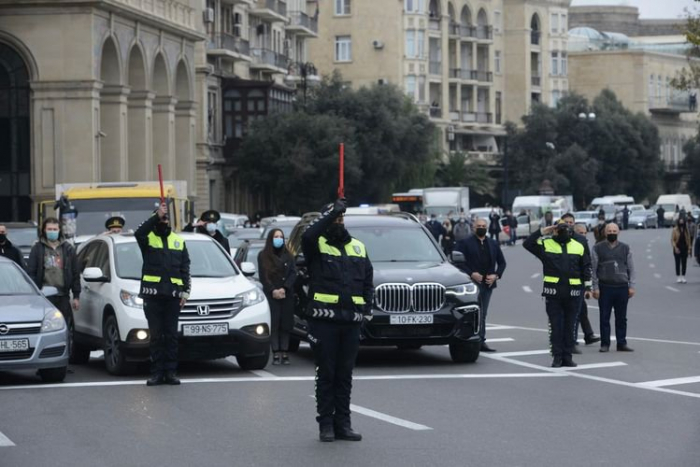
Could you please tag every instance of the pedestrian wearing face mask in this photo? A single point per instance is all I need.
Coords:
(8, 250)
(207, 225)
(52, 262)
(165, 288)
(566, 269)
(485, 264)
(278, 273)
(461, 229)
(613, 286)
(682, 243)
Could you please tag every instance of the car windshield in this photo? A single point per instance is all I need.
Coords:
(235, 240)
(206, 260)
(22, 237)
(13, 282)
(669, 207)
(286, 229)
(396, 245)
(93, 213)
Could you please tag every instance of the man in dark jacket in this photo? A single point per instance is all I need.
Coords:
(485, 264)
(8, 250)
(207, 225)
(165, 287)
(340, 297)
(436, 228)
(52, 263)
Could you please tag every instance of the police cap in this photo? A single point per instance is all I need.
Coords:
(115, 222)
(210, 216)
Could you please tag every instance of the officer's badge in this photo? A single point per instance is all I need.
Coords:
(177, 244)
(357, 249)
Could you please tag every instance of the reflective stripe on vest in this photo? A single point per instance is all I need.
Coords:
(555, 280)
(326, 298)
(353, 248)
(175, 243)
(358, 300)
(574, 247)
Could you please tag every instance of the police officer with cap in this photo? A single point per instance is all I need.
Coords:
(115, 224)
(340, 297)
(207, 225)
(165, 287)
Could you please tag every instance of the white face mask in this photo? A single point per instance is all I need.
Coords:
(211, 228)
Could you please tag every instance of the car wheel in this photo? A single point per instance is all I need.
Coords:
(294, 344)
(253, 363)
(115, 360)
(465, 353)
(53, 375)
(409, 346)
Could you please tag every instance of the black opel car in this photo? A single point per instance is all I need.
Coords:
(420, 297)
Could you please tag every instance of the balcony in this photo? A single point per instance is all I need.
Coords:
(484, 33)
(270, 10)
(435, 112)
(536, 81)
(484, 117)
(435, 68)
(178, 12)
(227, 45)
(484, 76)
(268, 60)
(680, 102)
(469, 117)
(302, 24)
(239, 2)
(465, 75)
(466, 32)
(455, 115)
(434, 24)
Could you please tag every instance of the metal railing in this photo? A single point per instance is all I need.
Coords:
(469, 117)
(435, 68)
(229, 42)
(484, 32)
(275, 5)
(434, 24)
(484, 117)
(467, 31)
(536, 80)
(435, 112)
(484, 76)
(269, 57)
(299, 18)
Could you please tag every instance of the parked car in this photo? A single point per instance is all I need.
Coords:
(266, 221)
(587, 218)
(285, 225)
(225, 314)
(229, 223)
(33, 333)
(23, 235)
(248, 253)
(420, 297)
(241, 235)
(644, 220)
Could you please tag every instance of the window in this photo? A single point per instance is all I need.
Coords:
(421, 44)
(414, 6)
(556, 95)
(555, 63)
(651, 90)
(411, 86)
(421, 89)
(411, 44)
(497, 26)
(212, 117)
(342, 7)
(497, 61)
(659, 92)
(668, 89)
(563, 25)
(564, 64)
(554, 23)
(343, 49)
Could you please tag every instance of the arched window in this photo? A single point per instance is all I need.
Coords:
(535, 30)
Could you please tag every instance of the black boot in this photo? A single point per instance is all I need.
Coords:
(155, 380)
(326, 433)
(171, 379)
(557, 362)
(346, 433)
(569, 362)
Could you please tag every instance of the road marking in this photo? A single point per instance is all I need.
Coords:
(535, 275)
(649, 250)
(523, 353)
(388, 418)
(670, 382)
(500, 339)
(497, 327)
(652, 265)
(264, 374)
(592, 366)
(527, 289)
(593, 306)
(650, 257)
(657, 275)
(672, 289)
(5, 441)
(97, 354)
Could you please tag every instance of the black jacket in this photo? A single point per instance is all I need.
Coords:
(342, 275)
(169, 265)
(223, 241)
(9, 251)
(470, 249)
(71, 272)
(283, 276)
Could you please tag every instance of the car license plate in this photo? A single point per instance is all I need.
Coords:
(14, 345)
(213, 329)
(411, 319)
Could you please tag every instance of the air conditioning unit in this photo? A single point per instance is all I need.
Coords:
(378, 44)
(208, 15)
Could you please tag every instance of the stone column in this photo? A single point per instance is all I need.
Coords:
(164, 134)
(114, 140)
(140, 160)
(185, 121)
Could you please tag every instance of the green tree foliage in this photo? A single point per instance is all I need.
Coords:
(692, 163)
(458, 170)
(618, 152)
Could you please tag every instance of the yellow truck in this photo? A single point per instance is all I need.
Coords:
(91, 204)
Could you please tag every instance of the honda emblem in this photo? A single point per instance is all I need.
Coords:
(203, 310)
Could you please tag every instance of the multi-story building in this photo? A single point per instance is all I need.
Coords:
(95, 90)
(256, 53)
(471, 65)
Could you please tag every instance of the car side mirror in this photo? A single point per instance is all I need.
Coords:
(248, 269)
(457, 257)
(301, 261)
(49, 291)
(94, 275)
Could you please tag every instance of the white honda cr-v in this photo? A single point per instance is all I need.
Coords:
(225, 315)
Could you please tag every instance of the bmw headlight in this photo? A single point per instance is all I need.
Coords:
(130, 299)
(462, 289)
(53, 321)
(251, 297)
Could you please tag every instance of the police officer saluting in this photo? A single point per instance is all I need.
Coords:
(340, 296)
(207, 225)
(567, 271)
(165, 287)
(115, 224)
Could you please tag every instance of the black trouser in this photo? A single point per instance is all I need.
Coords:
(585, 322)
(162, 315)
(562, 315)
(335, 349)
(62, 302)
(279, 309)
(681, 262)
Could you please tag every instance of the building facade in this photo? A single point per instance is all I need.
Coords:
(95, 91)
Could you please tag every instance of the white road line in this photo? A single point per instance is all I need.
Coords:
(388, 418)
(648, 250)
(535, 275)
(593, 306)
(5, 441)
(264, 374)
(527, 289)
(657, 275)
(500, 339)
(523, 353)
(650, 257)
(670, 382)
(497, 327)
(672, 289)
(652, 265)
(592, 366)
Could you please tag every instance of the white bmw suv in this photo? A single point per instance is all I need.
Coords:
(225, 315)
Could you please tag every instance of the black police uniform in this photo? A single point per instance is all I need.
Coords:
(165, 281)
(340, 296)
(567, 272)
(210, 216)
(9, 251)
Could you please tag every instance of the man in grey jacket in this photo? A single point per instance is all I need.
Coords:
(613, 286)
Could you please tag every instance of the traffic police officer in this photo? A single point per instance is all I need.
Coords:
(567, 271)
(207, 225)
(340, 297)
(165, 287)
(115, 224)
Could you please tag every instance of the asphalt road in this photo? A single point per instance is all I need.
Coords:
(414, 408)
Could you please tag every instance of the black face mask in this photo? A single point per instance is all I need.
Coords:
(336, 232)
(612, 238)
(162, 228)
(3, 238)
(481, 232)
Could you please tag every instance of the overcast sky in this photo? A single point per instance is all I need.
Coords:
(648, 8)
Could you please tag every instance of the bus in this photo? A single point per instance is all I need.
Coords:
(412, 201)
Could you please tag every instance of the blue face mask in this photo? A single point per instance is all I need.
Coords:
(278, 242)
(52, 235)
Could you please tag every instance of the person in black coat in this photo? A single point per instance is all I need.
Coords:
(485, 264)
(278, 273)
(8, 250)
(495, 225)
(207, 225)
